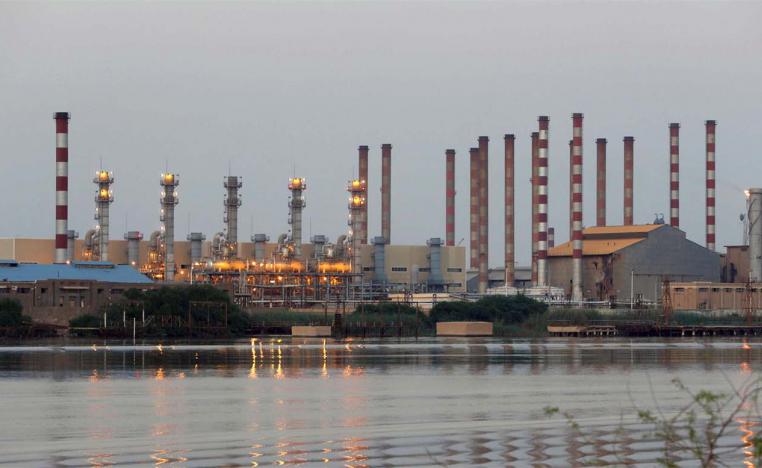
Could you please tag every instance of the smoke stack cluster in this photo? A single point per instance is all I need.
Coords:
(629, 169)
(62, 186)
(710, 176)
(542, 201)
(509, 210)
(483, 213)
(674, 175)
(362, 165)
(450, 197)
(576, 174)
(386, 192)
(473, 154)
(600, 183)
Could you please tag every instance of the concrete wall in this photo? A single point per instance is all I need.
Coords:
(715, 296)
(735, 264)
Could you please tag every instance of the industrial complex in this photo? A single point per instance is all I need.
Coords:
(605, 263)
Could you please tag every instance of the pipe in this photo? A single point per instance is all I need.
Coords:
(386, 192)
(483, 214)
(296, 206)
(629, 178)
(510, 227)
(535, 146)
(600, 183)
(542, 201)
(577, 194)
(362, 164)
(232, 202)
(710, 177)
(450, 197)
(103, 199)
(474, 208)
(62, 186)
(674, 175)
(169, 200)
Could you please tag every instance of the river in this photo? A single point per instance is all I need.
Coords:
(430, 402)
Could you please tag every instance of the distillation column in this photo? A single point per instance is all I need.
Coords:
(542, 201)
(232, 202)
(62, 186)
(509, 210)
(710, 187)
(356, 189)
(169, 200)
(577, 291)
(103, 199)
(296, 205)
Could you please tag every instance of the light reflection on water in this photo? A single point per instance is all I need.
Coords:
(265, 402)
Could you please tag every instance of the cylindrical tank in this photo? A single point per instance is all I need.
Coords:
(435, 262)
(754, 207)
(379, 259)
(259, 246)
(133, 239)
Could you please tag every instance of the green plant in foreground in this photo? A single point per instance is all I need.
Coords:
(693, 434)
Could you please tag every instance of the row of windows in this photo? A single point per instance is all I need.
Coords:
(704, 290)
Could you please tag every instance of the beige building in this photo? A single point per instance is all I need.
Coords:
(404, 265)
(731, 297)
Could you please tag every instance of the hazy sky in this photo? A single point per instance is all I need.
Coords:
(269, 87)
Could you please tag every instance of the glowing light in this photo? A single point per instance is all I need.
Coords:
(160, 348)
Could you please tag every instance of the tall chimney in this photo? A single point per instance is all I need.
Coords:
(169, 200)
(600, 183)
(62, 186)
(571, 189)
(133, 239)
(710, 176)
(542, 201)
(629, 177)
(297, 186)
(103, 199)
(509, 209)
(577, 294)
(450, 197)
(362, 165)
(483, 214)
(535, 146)
(232, 202)
(473, 244)
(551, 237)
(356, 189)
(674, 175)
(386, 192)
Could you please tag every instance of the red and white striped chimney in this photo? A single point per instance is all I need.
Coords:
(674, 175)
(600, 183)
(474, 208)
(62, 186)
(450, 197)
(483, 214)
(629, 176)
(542, 201)
(571, 189)
(362, 165)
(710, 193)
(386, 192)
(577, 295)
(509, 210)
(535, 146)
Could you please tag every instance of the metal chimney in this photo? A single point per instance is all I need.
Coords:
(450, 196)
(196, 246)
(259, 246)
(600, 183)
(535, 146)
(542, 201)
(674, 175)
(710, 193)
(473, 244)
(362, 164)
(232, 202)
(169, 200)
(103, 199)
(133, 239)
(577, 295)
(436, 280)
(62, 186)
(629, 177)
(356, 189)
(71, 237)
(379, 259)
(510, 229)
(386, 191)
(483, 214)
(754, 208)
(296, 205)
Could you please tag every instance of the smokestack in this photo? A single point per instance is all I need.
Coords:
(103, 199)
(754, 209)
(674, 175)
(710, 176)
(551, 237)
(62, 186)
(450, 197)
(542, 201)
(296, 205)
(473, 244)
(571, 188)
(196, 243)
(600, 183)
(386, 192)
(232, 203)
(509, 210)
(577, 294)
(133, 239)
(362, 164)
(483, 214)
(71, 238)
(629, 177)
(356, 191)
(379, 260)
(169, 200)
(259, 246)
(535, 146)
(436, 280)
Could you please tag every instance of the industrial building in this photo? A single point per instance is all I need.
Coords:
(618, 258)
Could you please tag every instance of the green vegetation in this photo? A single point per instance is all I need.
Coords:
(511, 315)
(280, 317)
(11, 314)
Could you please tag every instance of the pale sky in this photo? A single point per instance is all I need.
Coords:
(269, 88)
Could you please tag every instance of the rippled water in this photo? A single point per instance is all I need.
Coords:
(445, 402)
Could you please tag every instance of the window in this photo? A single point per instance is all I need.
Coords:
(703, 290)
(739, 290)
(424, 270)
(715, 289)
(679, 290)
(399, 268)
(455, 270)
(367, 269)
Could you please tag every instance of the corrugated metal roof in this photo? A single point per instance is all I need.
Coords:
(83, 271)
(594, 247)
(636, 228)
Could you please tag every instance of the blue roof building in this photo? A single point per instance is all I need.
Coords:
(12, 271)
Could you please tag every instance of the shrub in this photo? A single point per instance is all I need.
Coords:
(498, 309)
(85, 321)
(10, 314)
